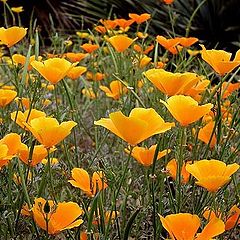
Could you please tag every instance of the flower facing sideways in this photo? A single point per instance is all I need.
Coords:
(212, 174)
(81, 179)
(55, 218)
(6, 97)
(185, 109)
(120, 42)
(141, 124)
(48, 131)
(184, 226)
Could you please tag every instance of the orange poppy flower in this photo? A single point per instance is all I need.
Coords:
(184, 226)
(123, 23)
(81, 179)
(232, 218)
(20, 59)
(38, 154)
(9, 146)
(23, 117)
(108, 24)
(76, 72)
(229, 88)
(168, 1)
(12, 35)
(89, 48)
(6, 97)
(115, 90)
(101, 29)
(144, 61)
(76, 57)
(205, 134)
(187, 41)
(120, 42)
(53, 69)
(220, 61)
(139, 18)
(57, 217)
(172, 83)
(172, 171)
(141, 124)
(185, 109)
(48, 131)
(169, 44)
(95, 76)
(212, 174)
(145, 155)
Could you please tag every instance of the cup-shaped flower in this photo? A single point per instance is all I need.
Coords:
(12, 35)
(145, 155)
(220, 60)
(76, 57)
(169, 44)
(185, 109)
(39, 152)
(21, 59)
(9, 146)
(48, 131)
(6, 97)
(141, 124)
(212, 174)
(120, 42)
(53, 69)
(172, 168)
(233, 218)
(206, 134)
(172, 83)
(187, 41)
(89, 48)
(24, 117)
(58, 217)
(81, 179)
(139, 18)
(184, 226)
(76, 72)
(115, 90)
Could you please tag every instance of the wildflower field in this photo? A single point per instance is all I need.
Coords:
(115, 133)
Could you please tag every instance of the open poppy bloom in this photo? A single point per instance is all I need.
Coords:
(48, 131)
(187, 41)
(172, 171)
(89, 48)
(108, 24)
(23, 117)
(232, 218)
(212, 174)
(55, 218)
(220, 61)
(144, 61)
(141, 124)
(185, 109)
(145, 155)
(172, 83)
(139, 18)
(6, 97)
(76, 72)
(81, 179)
(12, 35)
(229, 88)
(38, 154)
(123, 23)
(115, 90)
(53, 69)
(21, 59)
(205, 133)
(172, 45)
(120, 42)
(9, 146)
(184, 226)
(76, 57)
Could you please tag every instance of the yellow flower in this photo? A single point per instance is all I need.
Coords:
(12, 35)
(48, 131)
(145, 155)
(172, 83)
(115, 90)
(17, 9)
(185, 109)
(53, 69)
(206, 132)
(212, 174)
(81, 179)
(20, 59)
(141, 124)
(55, 218)
(120, 42)
(6, 97)
(76, 72)
(184, 226)
(53, 161)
